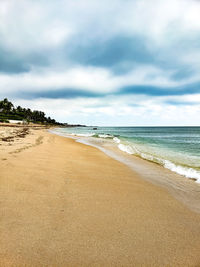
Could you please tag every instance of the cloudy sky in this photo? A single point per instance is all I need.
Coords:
(119, 62)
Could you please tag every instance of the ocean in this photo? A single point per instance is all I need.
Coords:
(175, 148)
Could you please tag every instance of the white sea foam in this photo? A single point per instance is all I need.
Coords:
(83, 135)
(92, 135)
(105, 135)
(148, 157)
(116, 140)
(125, 148)
(185, 171)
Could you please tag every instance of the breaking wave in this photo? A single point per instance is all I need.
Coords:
(157, 156)
(186, 171)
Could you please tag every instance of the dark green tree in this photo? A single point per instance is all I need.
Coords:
(6, 106)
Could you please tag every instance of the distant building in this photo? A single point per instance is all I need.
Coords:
(18, 121)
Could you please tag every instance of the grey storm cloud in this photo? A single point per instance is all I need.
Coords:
(73, 93)
(94, 50)
(181, 103)
(14, 62)
(66, 93)
(11, 63)
(118, 53)
(161, 91)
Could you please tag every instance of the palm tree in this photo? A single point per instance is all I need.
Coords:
(9, 111)
(6, 106)
(19, 109)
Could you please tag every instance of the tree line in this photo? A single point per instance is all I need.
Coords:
(9, 112)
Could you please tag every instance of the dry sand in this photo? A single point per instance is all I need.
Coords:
(67, 204)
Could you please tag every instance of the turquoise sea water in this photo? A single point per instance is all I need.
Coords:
(175, 148)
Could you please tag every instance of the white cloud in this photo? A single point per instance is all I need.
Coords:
(88, 78)
(97, 80)
(169, 29)
(91, 79)
(27, 26)
(125, 111)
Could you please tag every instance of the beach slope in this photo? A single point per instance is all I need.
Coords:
(68, 204)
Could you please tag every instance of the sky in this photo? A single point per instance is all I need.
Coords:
(110, 63)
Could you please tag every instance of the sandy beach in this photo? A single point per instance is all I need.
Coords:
(68, 204)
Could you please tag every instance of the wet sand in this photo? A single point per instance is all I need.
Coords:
(68, 204)
(184, 189)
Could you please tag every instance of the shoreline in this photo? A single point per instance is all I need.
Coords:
(68, 204)
(173, 163)
(180, 187)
